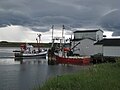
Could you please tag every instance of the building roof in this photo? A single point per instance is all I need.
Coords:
(82, 39)
(109, 42)
(80, 31)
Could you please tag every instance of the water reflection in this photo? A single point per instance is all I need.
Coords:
(31, 60)
(31, 73)
(8, 61)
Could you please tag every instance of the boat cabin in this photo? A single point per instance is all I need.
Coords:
(26, 48)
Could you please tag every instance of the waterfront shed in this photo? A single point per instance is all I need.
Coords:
(93, 34)
(84, 42)
(110, 47)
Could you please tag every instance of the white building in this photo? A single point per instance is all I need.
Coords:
(92, 34)
(83, 42)
(91, 42)
(109, 47)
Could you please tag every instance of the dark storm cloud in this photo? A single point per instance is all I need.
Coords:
(111, 22)
(73, 13)
(7, 18)
(56, 20)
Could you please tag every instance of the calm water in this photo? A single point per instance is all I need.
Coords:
(30, 74)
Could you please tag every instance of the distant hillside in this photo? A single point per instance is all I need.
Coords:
(17, 44)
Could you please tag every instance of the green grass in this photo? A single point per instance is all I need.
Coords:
(98, 77)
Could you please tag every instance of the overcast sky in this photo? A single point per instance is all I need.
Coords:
(23, 34)
(39, 15)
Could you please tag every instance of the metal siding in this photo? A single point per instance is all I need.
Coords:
(86, 47)
(77, 47)
(111, 51)
(85, 35)
(98, 49)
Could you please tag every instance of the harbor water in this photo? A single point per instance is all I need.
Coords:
(32, 73)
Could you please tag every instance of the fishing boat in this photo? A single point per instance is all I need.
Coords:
(62, 54)
(73, 60)
(77, 60)
(64, 57)
(28, 51)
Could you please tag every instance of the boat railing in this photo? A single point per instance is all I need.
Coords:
(79, 57)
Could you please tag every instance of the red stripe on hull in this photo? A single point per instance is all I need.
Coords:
(77, 61)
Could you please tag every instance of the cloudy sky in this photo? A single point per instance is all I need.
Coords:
(39, 15)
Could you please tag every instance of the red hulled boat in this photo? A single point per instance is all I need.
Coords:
(73, 60)
(60, 54)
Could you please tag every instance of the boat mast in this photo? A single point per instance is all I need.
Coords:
(63, 38)
(63, 31)
(52, 36)
(62, 43)
(38, 41)
(52, 31)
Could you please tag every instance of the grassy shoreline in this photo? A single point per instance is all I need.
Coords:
(98, 77)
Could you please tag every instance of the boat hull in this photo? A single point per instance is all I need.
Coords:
(76, 61)
(31, 55)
